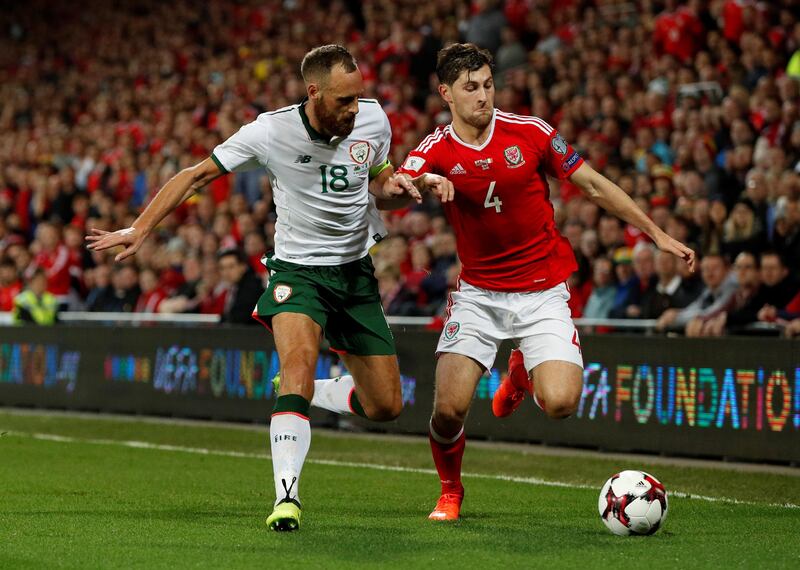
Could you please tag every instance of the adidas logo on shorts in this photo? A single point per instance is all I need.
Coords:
(458, 169)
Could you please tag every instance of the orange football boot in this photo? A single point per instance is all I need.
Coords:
(513, 388)
(448, 507)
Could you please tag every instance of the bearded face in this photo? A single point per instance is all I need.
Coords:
(335, 99)
(334, 119)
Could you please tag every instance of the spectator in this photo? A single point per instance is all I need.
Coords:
(643, 283)
(775, 289)
(244, 288)
(10, 285)
(434, 286)
(742, 231)
(511, 53)
(98, 280)
(717, 292)
(625, 280)
(151, 295)
(789, 314)
(395, 298)
(669, 291)
(610, 234)
(786, 239)
(53, 257)
(121, 293)
(601, 300)
(712, 232)
(419, 271)
(486, 25)
(35, 305)
(212, 292)
(255, 246)
(743, 302)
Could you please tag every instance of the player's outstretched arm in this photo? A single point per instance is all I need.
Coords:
(178, 189)
(407, 188)
(393, 191)
(613, 199)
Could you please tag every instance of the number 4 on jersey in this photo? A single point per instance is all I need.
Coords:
(489, 203)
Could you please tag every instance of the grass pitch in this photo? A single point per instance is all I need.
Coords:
(82, 492)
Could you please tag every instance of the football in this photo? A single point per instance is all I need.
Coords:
(633, 502)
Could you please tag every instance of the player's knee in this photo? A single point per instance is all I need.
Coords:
(384, 411)
(448, 416)
(563, 405)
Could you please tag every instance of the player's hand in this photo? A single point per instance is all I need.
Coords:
(399, 185)
(673, 246)
(130, 238)
(439, 186)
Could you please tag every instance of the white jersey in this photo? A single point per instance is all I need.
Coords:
(326, 215)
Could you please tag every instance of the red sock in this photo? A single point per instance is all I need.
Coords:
(447, 455)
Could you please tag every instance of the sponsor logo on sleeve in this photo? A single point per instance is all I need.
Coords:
(570, 162)
(414, 163)
(513, 157)
(559, 144)
(359, 152)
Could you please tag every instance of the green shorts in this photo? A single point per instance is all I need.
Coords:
(342, 299)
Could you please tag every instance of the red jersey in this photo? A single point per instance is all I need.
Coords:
(7, 294)
(57, 267)
(678, 34)
(150, 302)
(502, 217)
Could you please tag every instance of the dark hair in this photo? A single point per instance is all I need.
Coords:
(235, 252)
(457, 58)
(752, 254)
(321, 60)
(724, 258)
(38, 272)
(776, 253)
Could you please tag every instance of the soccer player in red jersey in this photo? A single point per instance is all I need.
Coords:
(515, 262)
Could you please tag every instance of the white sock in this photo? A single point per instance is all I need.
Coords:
(333, 394)
(290, 438)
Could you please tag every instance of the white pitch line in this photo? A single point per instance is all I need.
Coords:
(374, 466)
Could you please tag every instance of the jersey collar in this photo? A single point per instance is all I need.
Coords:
(313, 133)
(472, 146)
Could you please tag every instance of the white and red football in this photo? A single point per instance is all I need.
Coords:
(633, 502)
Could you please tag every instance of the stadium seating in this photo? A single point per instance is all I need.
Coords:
(692, 111)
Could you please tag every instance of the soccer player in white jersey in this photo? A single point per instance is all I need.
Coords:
(324, 157)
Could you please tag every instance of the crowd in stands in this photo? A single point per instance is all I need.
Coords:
(691, 107)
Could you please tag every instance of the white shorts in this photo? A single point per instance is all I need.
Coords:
(539, 322)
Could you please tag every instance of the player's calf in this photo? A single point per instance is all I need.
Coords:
(297, 373)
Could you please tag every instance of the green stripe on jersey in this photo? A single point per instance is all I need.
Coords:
(219, 164)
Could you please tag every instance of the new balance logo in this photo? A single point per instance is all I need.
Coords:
(302, 159)
(458, 169)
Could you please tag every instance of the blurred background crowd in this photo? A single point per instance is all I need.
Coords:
(691, 107)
